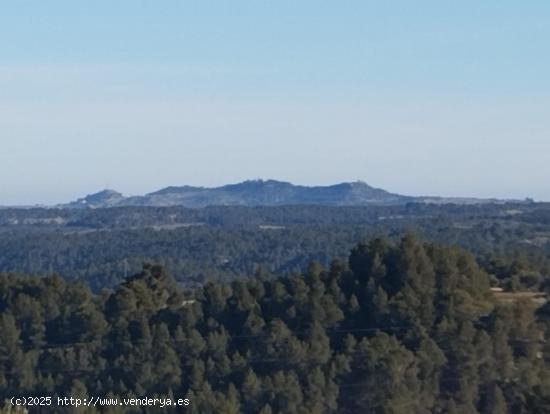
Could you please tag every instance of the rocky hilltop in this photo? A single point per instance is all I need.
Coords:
(268, 193)
(248, 193)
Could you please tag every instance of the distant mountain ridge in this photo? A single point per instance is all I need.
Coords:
(262, 193)
(247, 193)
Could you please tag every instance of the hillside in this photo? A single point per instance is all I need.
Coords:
(253, 193)
(397, 328)
(247, 193)
(100, 246)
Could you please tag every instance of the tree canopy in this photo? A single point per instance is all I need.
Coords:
(399, 327)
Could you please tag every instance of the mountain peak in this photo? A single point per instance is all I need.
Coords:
(106, 193)
(359, 183)
(103, 198)
(260, 192)
(257, 192)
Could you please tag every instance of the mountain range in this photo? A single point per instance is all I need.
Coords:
(263, 193)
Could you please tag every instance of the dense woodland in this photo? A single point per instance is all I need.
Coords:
(291, 309)
(103, 246)
(397, 327)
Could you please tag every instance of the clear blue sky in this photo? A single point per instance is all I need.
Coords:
(426, 97)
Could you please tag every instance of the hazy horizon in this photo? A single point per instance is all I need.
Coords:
(109, 188)
(418, 99)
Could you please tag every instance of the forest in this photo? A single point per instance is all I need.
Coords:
(103, 246)
(416, 308)
(402, 326)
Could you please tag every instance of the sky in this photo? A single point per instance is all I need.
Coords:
(421, 98)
